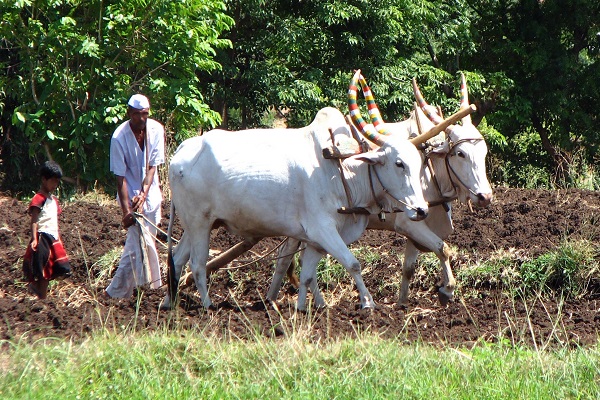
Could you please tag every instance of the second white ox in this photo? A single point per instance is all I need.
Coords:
(275, 182)
(456, 171)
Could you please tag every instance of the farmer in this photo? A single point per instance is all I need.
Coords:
(45, 258)
(136, 150)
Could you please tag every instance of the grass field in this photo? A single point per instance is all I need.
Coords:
(193, 365)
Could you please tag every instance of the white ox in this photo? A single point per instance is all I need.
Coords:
(457, 171)
(275, 182)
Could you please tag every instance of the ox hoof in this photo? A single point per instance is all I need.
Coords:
(320, 306)
(444, 297)
(366, 306)
(367, 303)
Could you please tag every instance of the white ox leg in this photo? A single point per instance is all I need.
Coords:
(286, 253)
(181, 255)
(408, 270)
(308, 274)
(446, 292)
(442, 251)
(338, 249)
(308, 279)
(198, 259)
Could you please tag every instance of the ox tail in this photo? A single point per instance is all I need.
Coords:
(172, 281)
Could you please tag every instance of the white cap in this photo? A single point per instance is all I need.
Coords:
(138, 101)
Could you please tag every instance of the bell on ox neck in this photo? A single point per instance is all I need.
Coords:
(381, 216)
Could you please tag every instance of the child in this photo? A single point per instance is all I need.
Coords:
(45, 258)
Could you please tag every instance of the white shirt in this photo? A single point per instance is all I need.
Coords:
(129, 161)
(48, 218)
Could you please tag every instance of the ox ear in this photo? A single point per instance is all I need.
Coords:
(440, 151)
(372, 157)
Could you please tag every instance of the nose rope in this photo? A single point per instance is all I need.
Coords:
(387, 191)
(450, 169)
(155, 237)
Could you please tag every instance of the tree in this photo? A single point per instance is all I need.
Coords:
(300, 55)
(532, 66)
(551, 51)
(68, 68)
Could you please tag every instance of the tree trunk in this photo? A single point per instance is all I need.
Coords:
(562, 160)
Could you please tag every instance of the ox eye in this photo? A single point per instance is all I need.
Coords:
(399, 164)
(460, 154)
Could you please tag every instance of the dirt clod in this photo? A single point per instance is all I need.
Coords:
(526, 223)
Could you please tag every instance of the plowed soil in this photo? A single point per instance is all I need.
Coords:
(524, 223)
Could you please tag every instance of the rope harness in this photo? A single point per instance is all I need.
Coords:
(139, 217)
(452, 175)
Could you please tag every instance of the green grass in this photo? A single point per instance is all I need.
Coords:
(329, 271)
(568, 271)
(499, 271)
(193, 365)
(105, 265)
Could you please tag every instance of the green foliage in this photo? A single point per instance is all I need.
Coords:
(69, 67)
(300, 55)
(105, 266)
(429, 264)
(582, 172)
(497, 272)
(330, 272)
(521, 162)
(533, 70)
(494, 139)
(366, 255)
(550, 50)
(571, 270)
(568, 270)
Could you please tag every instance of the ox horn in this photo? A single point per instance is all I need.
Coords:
(428, 110)
(443, 125)
(464, 99)
(374, 114)
(368, 131)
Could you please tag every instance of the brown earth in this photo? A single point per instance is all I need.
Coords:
(524, 223)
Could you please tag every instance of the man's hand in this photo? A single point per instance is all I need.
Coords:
(128, 220)
(137, 203)
(34, 244)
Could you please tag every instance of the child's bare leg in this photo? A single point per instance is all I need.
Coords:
(39, 288)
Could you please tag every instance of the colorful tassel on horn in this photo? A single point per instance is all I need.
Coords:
(374, 113)
(367, 130)
(428, 110)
